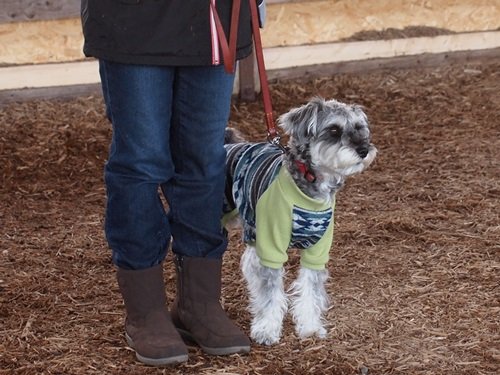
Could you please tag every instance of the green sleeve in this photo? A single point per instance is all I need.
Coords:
(273, 216)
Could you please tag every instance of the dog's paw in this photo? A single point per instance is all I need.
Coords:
(305, 332)
(265, 333)
(322, 333)
(265, 338)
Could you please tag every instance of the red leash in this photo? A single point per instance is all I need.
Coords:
(272, 134)
(229, 54)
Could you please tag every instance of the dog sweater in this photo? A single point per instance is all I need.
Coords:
(276, 214)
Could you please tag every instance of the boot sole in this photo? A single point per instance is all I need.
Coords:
(156, 361)
(227, 350)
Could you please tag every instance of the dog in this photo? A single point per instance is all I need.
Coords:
(286, 199)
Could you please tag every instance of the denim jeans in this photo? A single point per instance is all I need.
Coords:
(168, 136)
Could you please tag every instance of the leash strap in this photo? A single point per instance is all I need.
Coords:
(272, 134)
(228, 50)
(229, 55)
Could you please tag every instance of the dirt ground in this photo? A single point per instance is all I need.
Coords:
(414, 265)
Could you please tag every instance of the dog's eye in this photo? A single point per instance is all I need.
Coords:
(335, 131)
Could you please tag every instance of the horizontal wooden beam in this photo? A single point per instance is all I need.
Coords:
(425, 60)
(326, 53)
(305, 72)
(49, 75)
(49, 93)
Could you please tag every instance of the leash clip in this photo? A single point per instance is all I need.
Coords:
(275, 140)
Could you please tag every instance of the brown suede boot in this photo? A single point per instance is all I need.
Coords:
(197, 312)
(148, 326)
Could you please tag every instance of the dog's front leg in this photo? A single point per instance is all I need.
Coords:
(268, 303)
(309, 302)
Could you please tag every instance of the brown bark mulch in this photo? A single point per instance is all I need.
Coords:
(414, 265)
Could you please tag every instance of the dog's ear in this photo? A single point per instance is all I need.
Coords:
(301, 122)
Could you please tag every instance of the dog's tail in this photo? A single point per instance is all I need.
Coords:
(232, 135)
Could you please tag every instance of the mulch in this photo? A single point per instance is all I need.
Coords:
(414, 264)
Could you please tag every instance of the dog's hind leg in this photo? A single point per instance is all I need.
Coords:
(309, 302)
(268, 302)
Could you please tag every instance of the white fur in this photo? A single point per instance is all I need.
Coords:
(340, 160)
(268, 302)
(309, 302)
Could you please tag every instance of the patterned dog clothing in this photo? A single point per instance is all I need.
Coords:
(276, 214)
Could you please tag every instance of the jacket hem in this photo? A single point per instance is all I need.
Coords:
(160, 60)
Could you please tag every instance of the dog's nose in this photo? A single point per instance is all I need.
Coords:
(362, 151)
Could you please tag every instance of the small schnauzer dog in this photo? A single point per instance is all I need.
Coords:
(286, 200)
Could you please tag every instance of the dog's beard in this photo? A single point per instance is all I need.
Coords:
(338, 159)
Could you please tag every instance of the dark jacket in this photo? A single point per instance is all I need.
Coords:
(160, 32)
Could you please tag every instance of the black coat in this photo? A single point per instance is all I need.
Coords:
(159, 32)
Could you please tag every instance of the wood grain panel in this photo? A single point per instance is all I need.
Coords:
(41, 41)
(325, 21)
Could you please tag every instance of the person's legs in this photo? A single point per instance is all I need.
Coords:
(139, 100)
(202, 97)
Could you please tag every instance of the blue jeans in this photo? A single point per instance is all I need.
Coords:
(168, 136)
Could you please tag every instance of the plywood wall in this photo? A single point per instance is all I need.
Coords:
(288, 24)
(326, 21)
(41, 41)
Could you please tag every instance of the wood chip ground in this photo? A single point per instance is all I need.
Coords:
(414, 265)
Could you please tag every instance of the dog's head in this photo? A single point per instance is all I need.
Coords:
(334, 137)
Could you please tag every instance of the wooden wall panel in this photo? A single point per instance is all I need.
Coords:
(41, 41)
(28, 10)
(325, 21)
